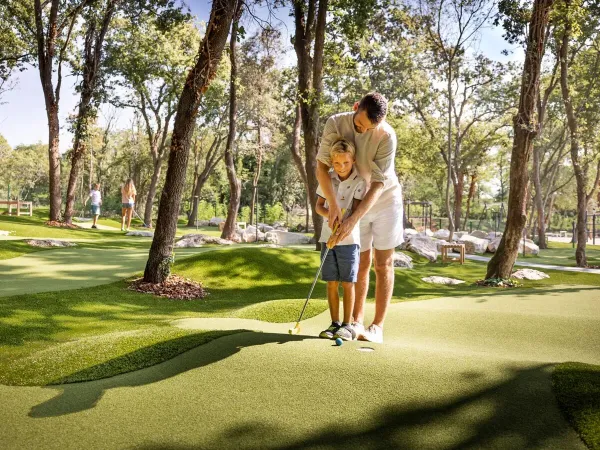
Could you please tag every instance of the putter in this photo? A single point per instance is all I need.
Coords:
(138, 216)
(296, 328)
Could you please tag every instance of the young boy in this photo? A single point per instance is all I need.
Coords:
(341, 263)
(96, 202)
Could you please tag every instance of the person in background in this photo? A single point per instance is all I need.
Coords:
(128, 194)
(96, 197)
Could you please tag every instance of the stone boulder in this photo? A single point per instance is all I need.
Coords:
(427, 233)
(439, 243)
(458, 234)
(249, 234)
(530, 274)
(215, 221)
(479, 234)
(287, 238)
(4, 233)
(265, 228)
(423, 246)
(530, 247)
(409, 232)
(402, 260)
(493, 245)
(442, 234)
(50, 243)
(281, 229)
(441, 280)
(474, 245)
(493, 235)
(278, 225)
(140, 233)
(198, 240)
(271, 237)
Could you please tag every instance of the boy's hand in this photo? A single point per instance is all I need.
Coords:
(342, 232)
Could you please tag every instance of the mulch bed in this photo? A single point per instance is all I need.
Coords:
(54, 223)
(498, 282)
(174, 287)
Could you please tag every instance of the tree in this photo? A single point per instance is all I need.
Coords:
(310, 18)
(197, 82)
(525, 129)
(150, 62)
(14, 49)
(235, 186)
(97, 20)
(451, 26)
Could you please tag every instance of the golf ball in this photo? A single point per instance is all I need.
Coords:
(338, 342)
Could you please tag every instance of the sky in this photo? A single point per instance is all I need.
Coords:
(22, 112)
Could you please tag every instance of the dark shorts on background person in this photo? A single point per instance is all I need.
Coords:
(341, 263)
(128, 205)
(96, 210)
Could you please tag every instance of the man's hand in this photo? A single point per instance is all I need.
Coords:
(335, 215)
(342, 232)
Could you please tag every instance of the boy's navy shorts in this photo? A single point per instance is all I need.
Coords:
(341, 263)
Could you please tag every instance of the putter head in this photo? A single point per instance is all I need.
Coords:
(295, 330)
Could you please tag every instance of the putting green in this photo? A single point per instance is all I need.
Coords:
(469, 373)
(74, 268)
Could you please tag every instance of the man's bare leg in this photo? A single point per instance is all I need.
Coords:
(384, 283)
(362, 286)
(349, 291)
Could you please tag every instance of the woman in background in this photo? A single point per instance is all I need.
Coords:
(128, 194)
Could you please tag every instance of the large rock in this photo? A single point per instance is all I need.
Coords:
(530, 274)
(198, 240)
(250, 235)
(281, 229)
(265, 228)
(439, 243)
(531, 248)
(423, 246)
(409, 232)
(427, 232)
(50, 243)
(402, 260)
(458, 234)
(493, 235)
(4, 233)
(442, 234)
(479, 234)
(441, 280)
(474, 245)
(287, 238)
(215, 221)
(140, 233)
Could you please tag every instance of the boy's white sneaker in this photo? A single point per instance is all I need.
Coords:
(373, 334)
(359, 329)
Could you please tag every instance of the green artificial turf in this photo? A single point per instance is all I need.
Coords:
(12, 249)
(282, 311)
(563, 254)
(577, 388)
(104, 355)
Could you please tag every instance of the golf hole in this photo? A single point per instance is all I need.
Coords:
(365, 349)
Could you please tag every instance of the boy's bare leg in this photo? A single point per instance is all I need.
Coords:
(384, 283)
(123, 215)
(95, 220)
(333, 297)
(362, 286)
(348, 301)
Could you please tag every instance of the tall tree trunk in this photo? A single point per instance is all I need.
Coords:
(198, 81)
(94, 41)
(525, 129)
(580, 173)
(470, 197)
(310, 87)
(538, 200)
(259, 156)
(451, 223)
(235, 186)
(459, 188)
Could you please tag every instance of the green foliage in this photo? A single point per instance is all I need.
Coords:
(273, 213)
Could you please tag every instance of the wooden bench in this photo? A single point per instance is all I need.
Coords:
(18, 204)
(459, 247)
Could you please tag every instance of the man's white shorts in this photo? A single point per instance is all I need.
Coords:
(382, 227)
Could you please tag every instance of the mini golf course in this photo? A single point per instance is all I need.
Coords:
(461, 367)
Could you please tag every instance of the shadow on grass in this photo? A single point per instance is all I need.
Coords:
(516, 413)
(78, 397)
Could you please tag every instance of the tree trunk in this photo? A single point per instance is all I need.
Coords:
(235, 186)
(152, 190)
(525, 129)
(470, 198)
(198, 81)
(580, 173)
(451, 226)
(459, 188)
(538, 200)
(259, 155)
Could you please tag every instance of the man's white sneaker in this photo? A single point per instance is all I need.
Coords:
(373, 334)
(359, 329)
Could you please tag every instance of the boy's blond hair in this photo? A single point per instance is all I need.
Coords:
(342, 146)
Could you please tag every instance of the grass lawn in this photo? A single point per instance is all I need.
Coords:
(563, 254)
(46, 337)
(577, 388)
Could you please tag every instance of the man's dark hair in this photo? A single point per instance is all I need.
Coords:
(375, 105)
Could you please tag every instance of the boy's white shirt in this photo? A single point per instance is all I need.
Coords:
(96, 197)
(346, 191)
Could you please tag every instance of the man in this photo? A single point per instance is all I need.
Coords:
(380, 212)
